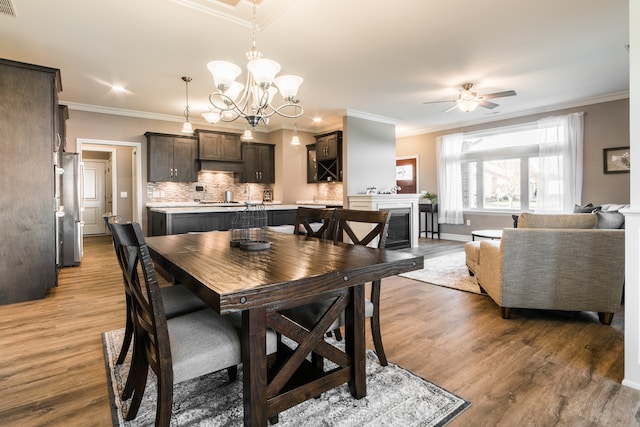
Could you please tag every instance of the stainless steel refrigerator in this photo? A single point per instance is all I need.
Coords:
(72, 203)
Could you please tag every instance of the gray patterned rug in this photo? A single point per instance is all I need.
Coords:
(395, 397)
(449, 271)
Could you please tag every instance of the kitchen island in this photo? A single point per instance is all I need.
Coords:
(185, 217)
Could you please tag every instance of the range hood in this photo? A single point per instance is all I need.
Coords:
(215, 165)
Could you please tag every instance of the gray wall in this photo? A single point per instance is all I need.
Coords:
(369, 153)
(605, 125)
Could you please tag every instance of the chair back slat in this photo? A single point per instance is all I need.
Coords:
(307, 216)
(378, 220)
(150, 323)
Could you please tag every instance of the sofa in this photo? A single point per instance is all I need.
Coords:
(570, 262)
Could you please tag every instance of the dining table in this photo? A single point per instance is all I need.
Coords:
(292, 271)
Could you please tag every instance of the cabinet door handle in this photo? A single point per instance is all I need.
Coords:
(171, 173)
(176, 171)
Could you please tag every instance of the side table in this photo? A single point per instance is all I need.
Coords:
(430, 210)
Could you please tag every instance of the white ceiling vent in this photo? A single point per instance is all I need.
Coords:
(6, 8)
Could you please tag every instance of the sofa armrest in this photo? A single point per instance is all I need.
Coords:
(489, 274)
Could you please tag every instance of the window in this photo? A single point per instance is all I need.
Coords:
(528, 167)
(500, 168)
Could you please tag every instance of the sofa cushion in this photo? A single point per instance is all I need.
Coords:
(588, 208)
(609, 220)
(577, 220)
(614, 207)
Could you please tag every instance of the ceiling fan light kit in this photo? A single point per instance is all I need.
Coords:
(253, 100)
(468, 100)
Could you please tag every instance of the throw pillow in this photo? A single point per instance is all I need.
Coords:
(609, 220)
(588, 208)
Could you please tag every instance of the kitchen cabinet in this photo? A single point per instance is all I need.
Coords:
(312, 164)
(163, 223)
(259, 163)
(30, 187)
(219, 146)
(171, 158)
(329, 157)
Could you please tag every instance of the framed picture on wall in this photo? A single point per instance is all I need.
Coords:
(617, 160)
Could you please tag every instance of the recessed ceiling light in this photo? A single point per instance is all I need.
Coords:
(118, 89)
(317, 120)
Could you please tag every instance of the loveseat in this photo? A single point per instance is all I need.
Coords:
(555, 262)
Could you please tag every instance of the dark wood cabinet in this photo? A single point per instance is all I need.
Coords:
(312, 164)
(161, 224)
(171, 158)
(219, 146)
(259, 163)
(28, 121)
(329, 157)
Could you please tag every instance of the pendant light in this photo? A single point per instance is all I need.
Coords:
(294, 139)
(186, 127)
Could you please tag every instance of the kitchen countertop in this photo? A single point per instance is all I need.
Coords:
(320, 202)
(216, 207)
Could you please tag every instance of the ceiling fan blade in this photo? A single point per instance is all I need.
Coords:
(498, 94)
(437, 102)
(453, 107)
(487, 104)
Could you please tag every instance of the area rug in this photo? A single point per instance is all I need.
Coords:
(395, 397)
(449, 271)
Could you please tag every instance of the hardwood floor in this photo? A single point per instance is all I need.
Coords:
(538, 368)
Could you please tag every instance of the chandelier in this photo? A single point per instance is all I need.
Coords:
(253, 100)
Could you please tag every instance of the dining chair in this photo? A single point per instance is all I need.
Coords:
(176, 299)
(314, 222)
(177, 349)
(372, 230)
(362, 228)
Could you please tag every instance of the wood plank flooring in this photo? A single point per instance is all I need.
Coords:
(536, 369)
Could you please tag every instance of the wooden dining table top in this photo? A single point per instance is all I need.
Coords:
(232, 279)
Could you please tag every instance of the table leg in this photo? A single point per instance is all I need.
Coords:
(254, 366)
(355, 342)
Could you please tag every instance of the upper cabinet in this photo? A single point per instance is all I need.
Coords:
(219, 146)
(171, 158)
(328, 157)
(312, 164)
(259, 163)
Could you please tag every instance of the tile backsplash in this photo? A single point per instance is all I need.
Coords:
(214, 185)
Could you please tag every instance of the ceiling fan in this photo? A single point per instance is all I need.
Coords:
(468, 101)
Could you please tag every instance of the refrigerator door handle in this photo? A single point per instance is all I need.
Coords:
(81, 187)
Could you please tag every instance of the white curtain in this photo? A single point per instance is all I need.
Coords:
(450, 203)
(560, 173)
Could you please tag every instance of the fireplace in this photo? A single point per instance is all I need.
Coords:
(405, 214)
(399, 235)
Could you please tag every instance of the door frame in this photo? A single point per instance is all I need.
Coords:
(417, 159)
(110, 146)
(101, 223)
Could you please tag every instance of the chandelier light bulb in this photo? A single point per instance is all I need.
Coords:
(264, 71)
(288, 86)
(212, 117)
(224, 73)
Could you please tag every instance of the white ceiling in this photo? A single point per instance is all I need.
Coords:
(374, 58)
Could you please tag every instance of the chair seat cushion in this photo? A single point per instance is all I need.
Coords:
(178, 300)
(202, 342)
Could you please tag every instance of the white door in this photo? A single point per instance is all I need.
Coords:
(94, 197)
